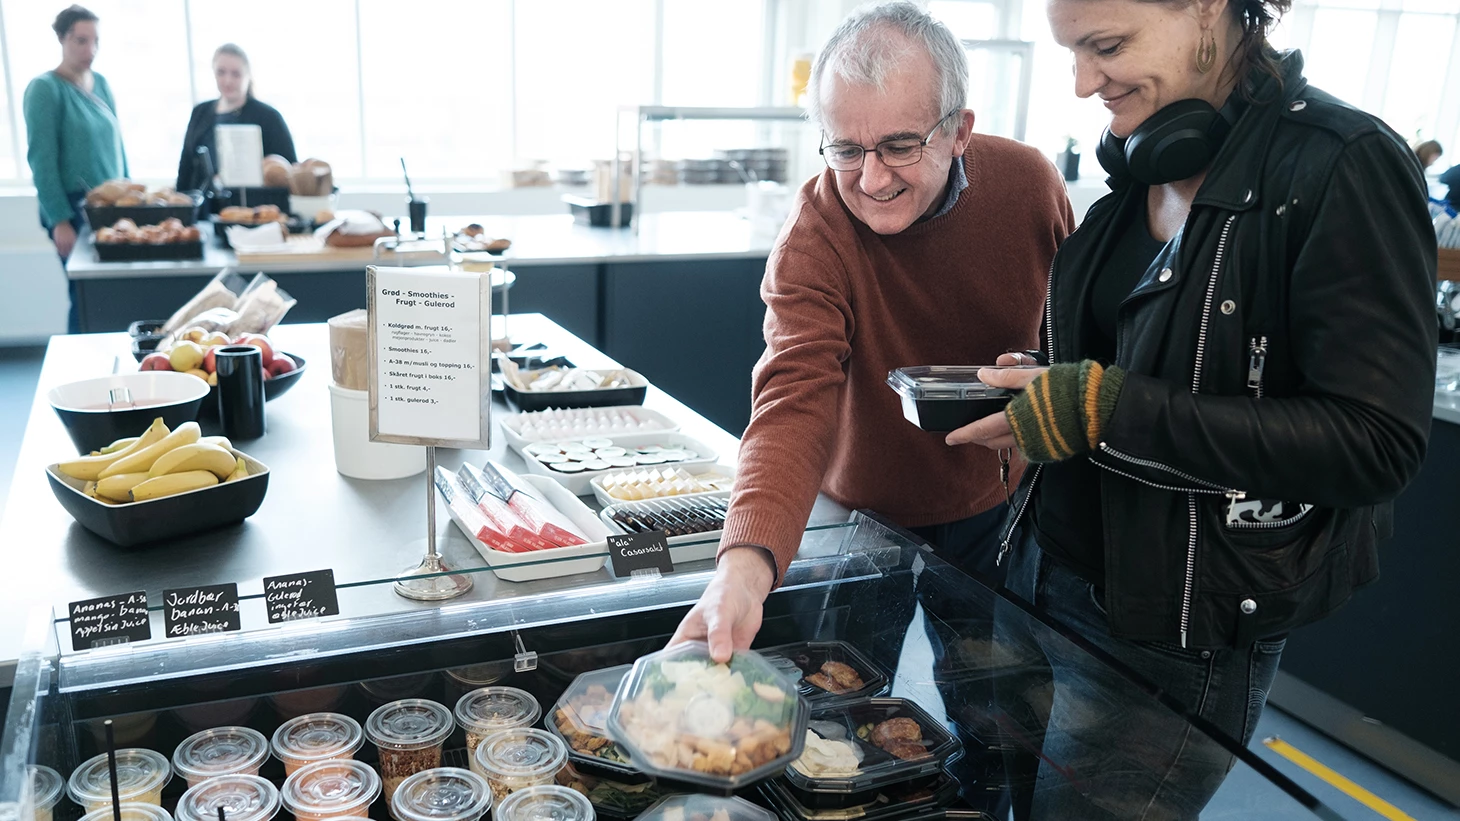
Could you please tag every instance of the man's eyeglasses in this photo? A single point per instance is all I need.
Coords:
(893, 153)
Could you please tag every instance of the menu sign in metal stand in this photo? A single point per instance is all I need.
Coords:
(430, 384)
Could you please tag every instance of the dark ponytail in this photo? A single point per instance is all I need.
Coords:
(1253, 53)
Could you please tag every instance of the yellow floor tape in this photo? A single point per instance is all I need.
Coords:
(1335, 780)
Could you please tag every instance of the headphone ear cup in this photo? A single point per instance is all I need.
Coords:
(1174, 143)
(1110, 151)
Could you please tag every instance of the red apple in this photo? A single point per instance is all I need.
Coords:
(267, 375)
(281, 365)
(156, 362)
(210, 360)
(262, 343)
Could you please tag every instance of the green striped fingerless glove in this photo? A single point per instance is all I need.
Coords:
(1063, 412)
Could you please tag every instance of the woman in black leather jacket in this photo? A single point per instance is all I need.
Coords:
(1244, 350)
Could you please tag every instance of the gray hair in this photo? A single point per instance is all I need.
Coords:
(860, 52)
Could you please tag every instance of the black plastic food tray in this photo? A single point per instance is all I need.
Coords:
(897, 801)
(133, 252)
(525, 401)
(105, 216)
(809, 656)
(598, 214)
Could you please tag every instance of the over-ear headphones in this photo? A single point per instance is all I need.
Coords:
(1172, 144)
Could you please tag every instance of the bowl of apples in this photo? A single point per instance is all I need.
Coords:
(195, 350)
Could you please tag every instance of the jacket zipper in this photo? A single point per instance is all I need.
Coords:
(1274, 525)
(1256, 363)
(1034, 478)
(1206, 487)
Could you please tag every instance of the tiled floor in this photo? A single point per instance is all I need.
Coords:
(20, 367)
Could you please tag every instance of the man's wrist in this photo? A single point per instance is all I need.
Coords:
(753, 563)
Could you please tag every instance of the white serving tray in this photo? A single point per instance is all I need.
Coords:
(555, 562)
(689, 548)
(580, 484)
(512, 424)
(604, 499)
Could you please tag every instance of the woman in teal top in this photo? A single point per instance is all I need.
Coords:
(75, 140)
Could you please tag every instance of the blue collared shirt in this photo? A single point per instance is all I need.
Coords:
(957, 181)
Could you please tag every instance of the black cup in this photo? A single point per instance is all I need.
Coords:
(417, 206)
(241, 391)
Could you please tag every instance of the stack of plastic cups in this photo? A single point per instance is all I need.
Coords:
(355, 455)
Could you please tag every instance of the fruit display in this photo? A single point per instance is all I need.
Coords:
(158, 463)
(170, 231)
(194, 351)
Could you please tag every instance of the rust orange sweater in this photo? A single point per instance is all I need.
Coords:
(846, 305)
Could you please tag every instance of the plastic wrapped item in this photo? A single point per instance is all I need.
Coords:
(261, 306)
(408, 734)
(829, 672)
(220, 292)
(442, 794)
(45, 791)
(506, 527)
(548, 803)
(705, 808)
(720, 727)
(513, 760)
(220, 751)
(492, 709)
(857, 749)
(141, 775)
(539, 515)
(349, 349)
(130, 811)
(316, 737)
(331, 790)
(942, 398)
(241, 797)
(580, 718)
(255, 305)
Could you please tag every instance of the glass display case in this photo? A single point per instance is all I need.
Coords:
(964, 659)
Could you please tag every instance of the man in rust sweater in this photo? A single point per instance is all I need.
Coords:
(921, 244)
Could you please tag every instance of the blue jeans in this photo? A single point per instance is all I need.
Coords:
(972, 544)
(1107, 749)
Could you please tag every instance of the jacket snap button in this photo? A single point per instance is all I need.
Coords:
(1206, 654)
(1249, 606)
(1165, 275)
(1228, 307)
(1298, 105)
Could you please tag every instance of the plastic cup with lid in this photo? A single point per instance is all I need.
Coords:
(316, 737)
(331, 790)
(545, 804)
(513, 760)
(490, 709)
(141, 775)
(408, 734)
(45, 791)
(130, 812)
(442, 794)
(241, 797)
(220, 751)
(709, 806)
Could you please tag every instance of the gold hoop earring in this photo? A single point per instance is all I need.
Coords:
(1206, 52)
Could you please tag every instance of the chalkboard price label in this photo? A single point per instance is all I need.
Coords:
(108, 620)
(639, 554)
(301, 596)
(192, 611)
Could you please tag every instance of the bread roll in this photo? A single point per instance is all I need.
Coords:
(301, 181)
(276, 173)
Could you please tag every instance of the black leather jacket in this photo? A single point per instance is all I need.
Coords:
(1282, 349)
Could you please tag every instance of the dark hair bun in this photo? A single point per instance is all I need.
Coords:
(69, 17)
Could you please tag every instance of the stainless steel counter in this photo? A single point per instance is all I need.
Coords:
(313, 518)
(536, 240)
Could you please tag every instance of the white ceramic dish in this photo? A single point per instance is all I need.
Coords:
(603, 497)
(561, 561)
(512, 423)
(580, 483)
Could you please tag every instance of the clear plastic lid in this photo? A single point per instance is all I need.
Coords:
(317, 736)
(580, 717)
(478, 675)
(409, 724)
(680, 715)
(705, 808)
(869, 744)
(830, 672)
(241, 797)
(549, 803)
(944, 382)
(497, 708)
(442, 794)
(139, 772)
(45, 786)
(329, 788)
(398, 687)
(522, 753)
(132, 811)
(220, 751)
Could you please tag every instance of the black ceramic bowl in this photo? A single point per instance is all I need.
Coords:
(83, 406)
(137, 523)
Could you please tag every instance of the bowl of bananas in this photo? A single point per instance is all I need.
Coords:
(162, 484)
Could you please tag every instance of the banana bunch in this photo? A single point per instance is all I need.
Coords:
(156, 464)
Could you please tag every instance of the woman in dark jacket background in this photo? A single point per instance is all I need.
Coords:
(1243, 343)
(236, 105)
